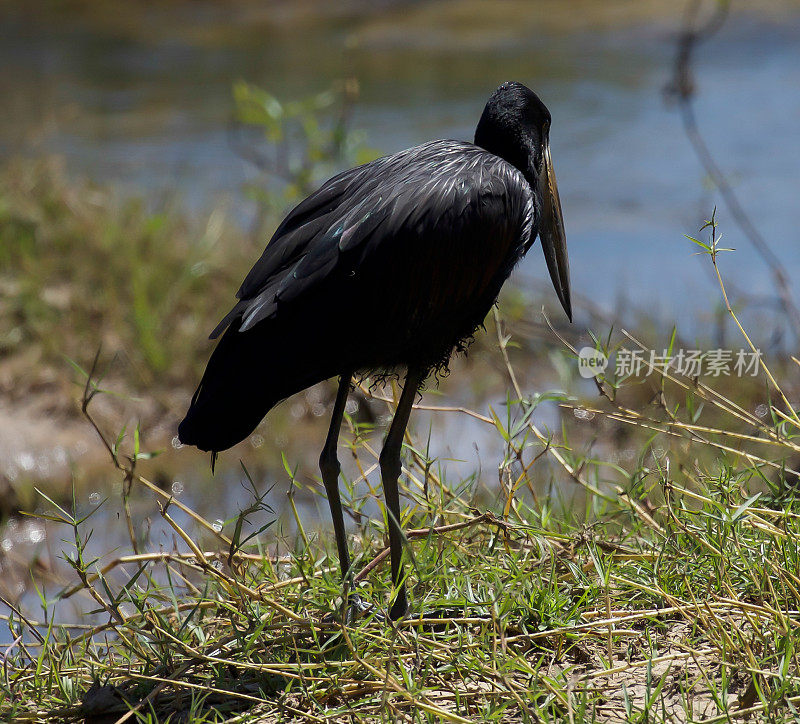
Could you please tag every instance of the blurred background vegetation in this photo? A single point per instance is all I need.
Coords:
(148, 150)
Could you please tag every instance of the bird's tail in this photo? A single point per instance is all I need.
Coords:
(246, 377)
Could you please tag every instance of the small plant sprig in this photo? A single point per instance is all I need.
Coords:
(712, 249)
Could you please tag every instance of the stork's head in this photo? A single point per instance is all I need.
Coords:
(515, 125)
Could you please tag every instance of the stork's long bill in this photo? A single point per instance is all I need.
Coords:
(551, 230)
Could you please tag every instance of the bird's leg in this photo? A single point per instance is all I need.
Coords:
(330, 469)
(390, 474)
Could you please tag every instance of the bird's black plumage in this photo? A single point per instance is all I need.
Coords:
(391, 264)
(362, 276)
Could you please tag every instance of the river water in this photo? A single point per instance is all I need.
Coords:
(141, 99)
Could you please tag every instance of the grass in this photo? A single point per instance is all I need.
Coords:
(669, 590)
(82, 268)
(685, 613)
(80, 263)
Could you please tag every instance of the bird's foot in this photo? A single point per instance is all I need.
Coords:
(351, 609)
(358, 608)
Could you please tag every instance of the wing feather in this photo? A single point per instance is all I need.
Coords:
(439, 188)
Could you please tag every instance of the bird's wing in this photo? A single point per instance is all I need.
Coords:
(352, 216)
(291, 241)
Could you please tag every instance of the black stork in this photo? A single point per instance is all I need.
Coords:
(390, 265)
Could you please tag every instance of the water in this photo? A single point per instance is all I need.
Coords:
(144, 103)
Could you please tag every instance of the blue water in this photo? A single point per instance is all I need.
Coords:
(149, 112)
